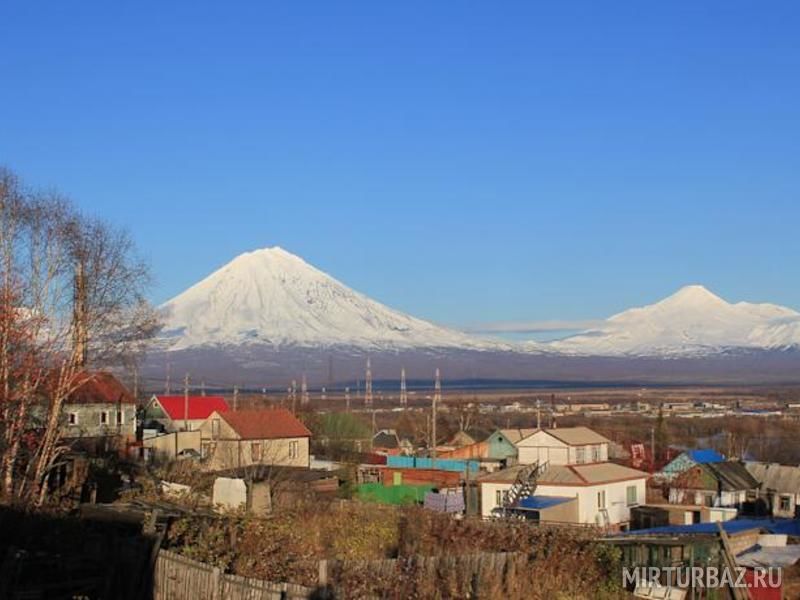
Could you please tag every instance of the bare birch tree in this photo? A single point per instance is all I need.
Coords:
(71, 294)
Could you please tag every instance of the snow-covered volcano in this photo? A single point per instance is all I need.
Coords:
(693, 321)
(273, 297)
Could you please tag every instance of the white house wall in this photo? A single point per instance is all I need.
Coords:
(588, 511)
(543, 447)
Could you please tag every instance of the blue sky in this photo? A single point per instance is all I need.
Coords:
(465, 162)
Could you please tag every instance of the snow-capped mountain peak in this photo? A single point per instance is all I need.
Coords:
(271, 296)
(691, 321)
(693, 296)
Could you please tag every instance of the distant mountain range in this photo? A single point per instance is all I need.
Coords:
(269, 314)
(691, 322)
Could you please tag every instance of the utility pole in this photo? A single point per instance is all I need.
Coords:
(347, 399)
(403, 388)
(437, 396)
(538, 414)
(368, 385)
(203, 387)
(293, 395)
(304, 391)
(186, 402)
(652, 449)
(136, 384)
(166, 385)
(235, 398)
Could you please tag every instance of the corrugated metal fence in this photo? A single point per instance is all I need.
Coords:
(444, 464)
(180, 578)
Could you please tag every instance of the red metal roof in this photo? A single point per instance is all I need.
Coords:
(99, 388)
(265, 424)
(200, 407)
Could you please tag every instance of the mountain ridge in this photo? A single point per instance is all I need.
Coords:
(271, 297)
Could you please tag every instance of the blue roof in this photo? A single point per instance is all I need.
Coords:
(779, 526)
(705, 456)
(540, 502)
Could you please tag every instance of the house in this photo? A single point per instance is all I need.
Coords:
(567, 446)
(99, 407)
(603, 493)
(386, 442)
(235, 439)
(779, 487)
(589, 407)
(177, 413)
(674, 549)
(461, 439)
(723, 484)
(688, 459)
(503, 442)
(663, 515)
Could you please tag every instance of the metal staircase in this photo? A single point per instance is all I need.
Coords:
(524, 486)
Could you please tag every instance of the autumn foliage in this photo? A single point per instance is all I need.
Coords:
(405, 553)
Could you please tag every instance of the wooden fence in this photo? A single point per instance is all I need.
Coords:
(180, 578)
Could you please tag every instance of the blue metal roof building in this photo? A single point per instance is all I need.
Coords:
(688, 459)
(705, 456)
(776, 526)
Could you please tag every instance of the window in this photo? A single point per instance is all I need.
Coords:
(104, 418)
(580, 455)
(501, 497)
(120, 417)
(294, 449)
(601, 499)
(709, 500)
(215, 428)
(631, 495)
(786, 503)
(596, 454)
(73, 418)
(207, 449)
(255, 451)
